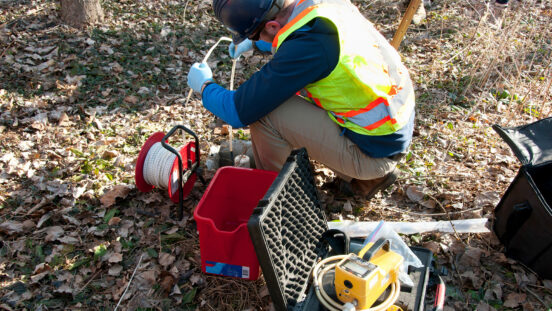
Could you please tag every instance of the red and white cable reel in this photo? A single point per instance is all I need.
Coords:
(158, 166)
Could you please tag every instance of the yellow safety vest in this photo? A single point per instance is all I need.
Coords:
(369, 91)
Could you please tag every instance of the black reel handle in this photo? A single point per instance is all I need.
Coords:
(193, 167)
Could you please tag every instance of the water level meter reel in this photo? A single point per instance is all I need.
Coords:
(160, 165)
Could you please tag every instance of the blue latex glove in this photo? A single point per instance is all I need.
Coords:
(236, 50)
(198, 75)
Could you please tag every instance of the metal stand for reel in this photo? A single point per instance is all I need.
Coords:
(188, 171)
(192, 168)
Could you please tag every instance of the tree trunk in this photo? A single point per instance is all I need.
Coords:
(79, 13)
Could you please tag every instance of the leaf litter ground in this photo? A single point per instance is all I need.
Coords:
(77, 105)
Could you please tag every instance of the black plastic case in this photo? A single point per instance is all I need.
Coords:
(523, 217)
(286, 228)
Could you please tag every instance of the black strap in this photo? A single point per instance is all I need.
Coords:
(337, 240)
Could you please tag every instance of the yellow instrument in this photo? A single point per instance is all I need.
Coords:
(361, 279)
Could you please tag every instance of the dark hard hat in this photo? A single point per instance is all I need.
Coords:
(243, 17)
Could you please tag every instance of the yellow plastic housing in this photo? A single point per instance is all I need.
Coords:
(362, 283)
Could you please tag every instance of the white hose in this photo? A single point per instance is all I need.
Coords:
(157, 166)
(205, 60)
(328, 302)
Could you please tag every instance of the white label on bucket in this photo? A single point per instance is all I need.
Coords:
(220, 268)
(245, 272)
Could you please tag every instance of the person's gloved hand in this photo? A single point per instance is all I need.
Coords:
(198, 75)
(236, 50)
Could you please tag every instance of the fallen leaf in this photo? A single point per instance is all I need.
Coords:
(471, 257)
(415, 193)
(53, 233)
(176, 290)
(197, 279)
(513, 300)
(41, 268)
(494, 292)
(429, 204)
(167, 280)
(114, 221)
(476, 279)
(118, 191)
(64, 289)
(149, 276)
(166, 259)
(115, 270)
(37, 277)
(115, 257)
(483, 306)
(489, 198)
(433, 246)
(131, 99)
(11, 227)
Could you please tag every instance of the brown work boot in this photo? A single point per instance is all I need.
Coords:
(339, 187)
(369, 188)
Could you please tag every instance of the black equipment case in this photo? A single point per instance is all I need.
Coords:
(523, 217)
(286, 229)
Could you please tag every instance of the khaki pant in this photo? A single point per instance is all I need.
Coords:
(297, 123)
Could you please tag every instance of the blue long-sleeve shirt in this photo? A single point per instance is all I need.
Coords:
(307, 55)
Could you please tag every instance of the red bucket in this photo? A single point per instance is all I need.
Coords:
(222, 215)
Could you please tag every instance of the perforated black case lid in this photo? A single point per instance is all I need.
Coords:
(285, 228)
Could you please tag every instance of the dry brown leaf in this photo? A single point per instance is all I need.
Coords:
(114, 221)
(115, 270)
(41, 268)
(489, 198)
(166, 259)
(115, 257)
(167, 280)
(11, 227)
(433, 246)
(415, 193)
(471, 257)
(197, 278)
(149, 276)
(513, 300)
(131, 99)
(475, 279)
(53, 233)
(483, 306)
(110, 197)
(37, 277)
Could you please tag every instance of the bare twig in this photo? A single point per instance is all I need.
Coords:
(450, 219)
(526, 289)
(7, 48)
(541, 287)
(129, 281)
(90, 280)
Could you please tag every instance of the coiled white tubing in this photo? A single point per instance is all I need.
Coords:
(158, 165)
